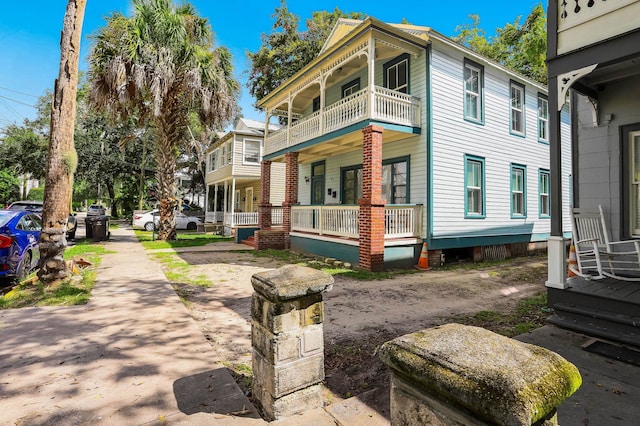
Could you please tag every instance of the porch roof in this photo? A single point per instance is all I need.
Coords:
(369, 24)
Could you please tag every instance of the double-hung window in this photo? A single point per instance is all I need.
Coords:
(474, 187)
(518, 191)
(544, 184)
(395, 180)
(396, 74)
(251, 151)
(543, 118)
(473, 85)
(350, 88)
(214, 160)
(230, 152)
(517, 108)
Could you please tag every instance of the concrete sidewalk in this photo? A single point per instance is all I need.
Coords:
(132, 355)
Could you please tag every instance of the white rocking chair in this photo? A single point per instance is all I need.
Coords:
(596, 255)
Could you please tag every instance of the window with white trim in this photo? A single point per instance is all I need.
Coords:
(396, 74)
(544, 200)
(543, 118)
(473, 85)
(518, 191)
(251, 151)
(474, 187)
(230, 152)
(517, 108)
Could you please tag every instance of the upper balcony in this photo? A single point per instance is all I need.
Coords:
(368, 72)
(377, 103)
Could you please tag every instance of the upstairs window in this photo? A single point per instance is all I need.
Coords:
(230, 153)
(543, 118)
(251, 151)
(517, 108)
(316, 104)
(396, 74)
(473, 88)
(350, 88)
(518, 191)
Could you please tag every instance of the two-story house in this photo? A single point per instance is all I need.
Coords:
(594, 54)
(233, 177)
(397, 136)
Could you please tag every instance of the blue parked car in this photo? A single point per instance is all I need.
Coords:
(19, 233)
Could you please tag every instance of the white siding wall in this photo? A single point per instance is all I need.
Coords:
(453, 137)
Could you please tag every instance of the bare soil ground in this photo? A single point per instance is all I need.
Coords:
(359, 315)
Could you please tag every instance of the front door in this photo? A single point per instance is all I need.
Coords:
(317, 183)
(248, 203)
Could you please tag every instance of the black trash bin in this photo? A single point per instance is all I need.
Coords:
(88, 226)
(100, 228)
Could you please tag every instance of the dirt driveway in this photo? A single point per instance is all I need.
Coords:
(359, 315)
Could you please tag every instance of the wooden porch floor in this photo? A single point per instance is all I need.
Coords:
(607, 288)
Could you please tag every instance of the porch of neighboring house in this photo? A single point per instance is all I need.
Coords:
(606, 308)
(235, 203)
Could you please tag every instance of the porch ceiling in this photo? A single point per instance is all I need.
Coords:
(340, 145)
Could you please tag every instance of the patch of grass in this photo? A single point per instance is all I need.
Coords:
(184, 239)
(242, 374)
(76, 290)
(529, 314)
(179, 271)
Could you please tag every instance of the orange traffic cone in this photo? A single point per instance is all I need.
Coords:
(572, 264)
(423, 262)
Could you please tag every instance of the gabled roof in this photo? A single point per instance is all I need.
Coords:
(344, 26)
(243, 126)
(248, 124)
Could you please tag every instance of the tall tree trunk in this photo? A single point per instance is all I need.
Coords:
(166, 158)
(62, 159)
(111, 190)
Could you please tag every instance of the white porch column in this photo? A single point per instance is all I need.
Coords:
(233, 202)
(557, 273)
(215, 202)
(206, 200)
(225, 208)
(372, 75)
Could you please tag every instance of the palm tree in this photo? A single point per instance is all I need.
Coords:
(62, 160)
(160, 66)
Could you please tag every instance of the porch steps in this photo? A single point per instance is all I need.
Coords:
(251, 241)
(618, 327)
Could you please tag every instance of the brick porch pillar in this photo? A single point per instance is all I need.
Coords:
(371, 221)
(290, 194)
(264, 207)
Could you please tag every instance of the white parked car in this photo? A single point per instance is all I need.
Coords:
(96, 210)
(149, 220)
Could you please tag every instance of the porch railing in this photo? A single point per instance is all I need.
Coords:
(243, 218)
(400, 221)
(388, 105)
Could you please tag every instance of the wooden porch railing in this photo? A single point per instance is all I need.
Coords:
(388, 105)
(400, 221)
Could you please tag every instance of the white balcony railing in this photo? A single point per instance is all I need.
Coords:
(388, 105)
(243, 218)
(400, 221)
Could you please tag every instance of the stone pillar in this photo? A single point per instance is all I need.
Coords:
(371, 219)
(287, 339)
(264, 207)
(456, 374)
(290, 193)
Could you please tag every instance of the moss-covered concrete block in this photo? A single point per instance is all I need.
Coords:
(491, 377)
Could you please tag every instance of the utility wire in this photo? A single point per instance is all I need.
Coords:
(17, 101)
(20, 93)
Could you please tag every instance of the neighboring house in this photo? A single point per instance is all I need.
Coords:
(398, 136)
(233, 177)
(594, 50)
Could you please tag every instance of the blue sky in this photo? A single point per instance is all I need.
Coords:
(30, 34)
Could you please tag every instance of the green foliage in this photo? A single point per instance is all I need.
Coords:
(287, 49)
(520, 47)
(36, 194)
(9, 188)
